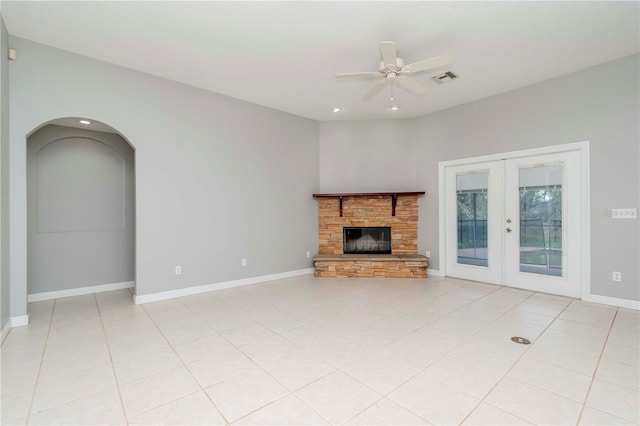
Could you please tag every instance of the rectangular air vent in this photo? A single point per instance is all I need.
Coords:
(444, 77)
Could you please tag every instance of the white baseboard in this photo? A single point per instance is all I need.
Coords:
(19, 321)
(613, 301)
(48, 295)
(5, 331)
(434, 273)
(188, 291)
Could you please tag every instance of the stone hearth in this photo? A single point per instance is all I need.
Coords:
(371, 265)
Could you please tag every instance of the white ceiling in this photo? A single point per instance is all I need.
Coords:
(284, 54)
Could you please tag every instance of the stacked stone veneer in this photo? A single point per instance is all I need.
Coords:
(371, 266)
(374, 210)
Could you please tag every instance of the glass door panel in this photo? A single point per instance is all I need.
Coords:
(540, 190)
(472, 207)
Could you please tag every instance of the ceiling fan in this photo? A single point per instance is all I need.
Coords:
(393, 70)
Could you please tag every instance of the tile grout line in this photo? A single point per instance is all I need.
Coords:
(294, 393)
(46, 347)
(290, 393)
(483, 400)
(404, 335)
(113, 368)
(236, 347)
(335, 370)
(546, 328)
(299, 348)
(184, 365)
(595, 371)
(520, 357)
(44, 351)
(386, 395)
(419, 371)
(564, 368)
(398, 338)
(480, 401)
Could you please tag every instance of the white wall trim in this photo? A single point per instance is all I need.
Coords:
(585, 182)
(19, 321)
(543, 150)
(434, 273)
(442, 212)
(48, 295)
(188, 291)
(5, 331)
(613, 301)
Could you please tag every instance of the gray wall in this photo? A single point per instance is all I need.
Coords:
(217, 179)
(5, 313)
(600, 104)
(366, 156)
(81, 209)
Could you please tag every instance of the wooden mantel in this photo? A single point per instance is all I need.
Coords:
(393, 195)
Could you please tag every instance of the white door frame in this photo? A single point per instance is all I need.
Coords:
(581, 147)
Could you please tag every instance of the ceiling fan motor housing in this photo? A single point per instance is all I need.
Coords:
(384, 68)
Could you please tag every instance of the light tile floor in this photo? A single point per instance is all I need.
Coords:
(325, 351)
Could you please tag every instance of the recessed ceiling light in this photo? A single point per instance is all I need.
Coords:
(336, 109)
(395, 108)
(85, 122)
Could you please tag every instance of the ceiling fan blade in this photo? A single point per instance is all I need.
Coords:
(411, 86)
(427, 64)
(374, 90)
(388, 52)
(365, 75)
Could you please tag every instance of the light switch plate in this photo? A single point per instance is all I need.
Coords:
(624, 213)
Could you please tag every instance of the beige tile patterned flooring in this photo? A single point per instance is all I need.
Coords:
(311, 350)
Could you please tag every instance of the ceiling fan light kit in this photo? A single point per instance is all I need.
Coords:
(393, 70)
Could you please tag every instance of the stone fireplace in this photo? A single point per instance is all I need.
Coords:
(351, 234)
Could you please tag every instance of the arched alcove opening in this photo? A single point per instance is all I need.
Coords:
(80, 209)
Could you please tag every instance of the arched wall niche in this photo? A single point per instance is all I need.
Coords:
(81, 214)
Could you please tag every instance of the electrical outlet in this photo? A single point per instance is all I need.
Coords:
(427, 253)
(178, 270)
(244, 262)
(308, 253)
(616, 276)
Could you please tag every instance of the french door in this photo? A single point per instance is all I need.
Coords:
(516, 222)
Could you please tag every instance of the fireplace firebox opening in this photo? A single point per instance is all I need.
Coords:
(367, 240)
